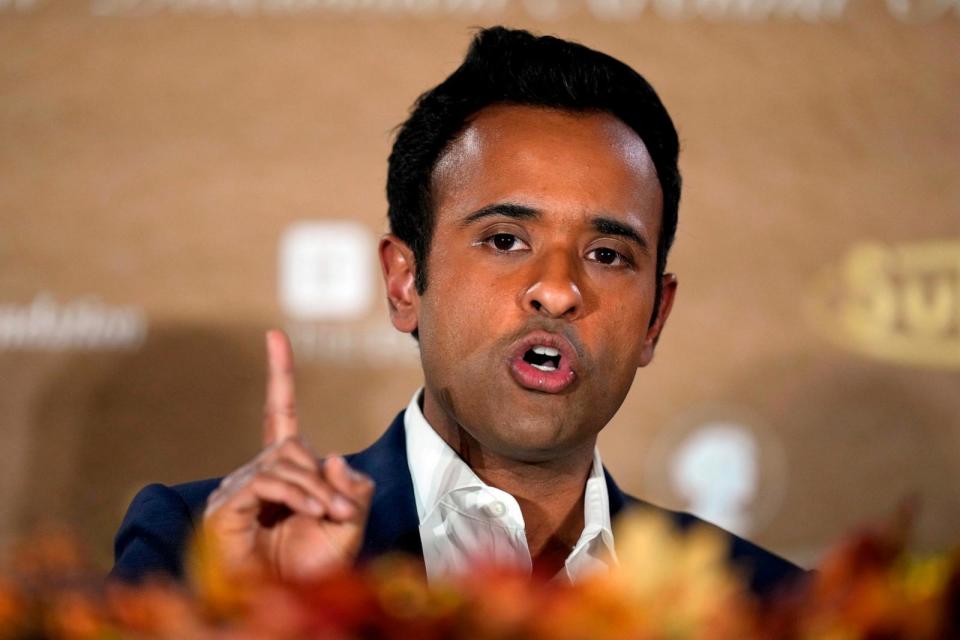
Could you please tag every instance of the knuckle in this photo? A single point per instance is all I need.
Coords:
(288, 469)
(321, 489)
(278, 465)
(290, 444)
(262, 482)
(285, 410)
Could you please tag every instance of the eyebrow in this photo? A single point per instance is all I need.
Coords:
(612, 227)
(506, 209)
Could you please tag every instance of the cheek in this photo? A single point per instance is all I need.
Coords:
(624, 329)
(462, 311)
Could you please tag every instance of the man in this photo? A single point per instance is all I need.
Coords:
(532, 201)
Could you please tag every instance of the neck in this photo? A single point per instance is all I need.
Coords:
(549, 492)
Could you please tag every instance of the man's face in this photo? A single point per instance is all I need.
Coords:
(541, 279)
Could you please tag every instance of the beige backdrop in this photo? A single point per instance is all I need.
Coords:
(158, 159)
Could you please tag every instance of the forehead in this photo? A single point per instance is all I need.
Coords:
(552, 159)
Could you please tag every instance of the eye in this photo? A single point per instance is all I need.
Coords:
(605, 255)
(506, 242)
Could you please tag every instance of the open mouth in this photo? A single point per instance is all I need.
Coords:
(544, 362)
(543, 358)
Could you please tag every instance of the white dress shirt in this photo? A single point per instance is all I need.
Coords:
(462, 518)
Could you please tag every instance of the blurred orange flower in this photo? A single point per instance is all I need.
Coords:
(667, 586)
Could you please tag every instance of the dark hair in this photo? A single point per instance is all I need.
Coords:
(506, 66)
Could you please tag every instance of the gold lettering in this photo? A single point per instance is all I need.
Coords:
(931, 287)
(871, 311)
(898, 304)
(929, 308)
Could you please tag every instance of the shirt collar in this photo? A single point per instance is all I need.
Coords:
(437, 471)
(595, 545)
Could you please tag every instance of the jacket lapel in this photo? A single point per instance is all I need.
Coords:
(617, 498)
(393, 524)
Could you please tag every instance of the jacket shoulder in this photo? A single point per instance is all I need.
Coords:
(160, 522)
(767, 573)
(157, 528)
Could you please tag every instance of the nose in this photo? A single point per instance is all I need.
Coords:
(553, 291)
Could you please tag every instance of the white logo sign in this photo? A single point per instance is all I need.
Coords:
(715, 469)
(326, 270)
(84, 324)
(19, 5)
(719, 465)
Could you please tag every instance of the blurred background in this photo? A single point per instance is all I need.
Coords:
(177, 176)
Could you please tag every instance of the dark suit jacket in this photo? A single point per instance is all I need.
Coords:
(161, 520)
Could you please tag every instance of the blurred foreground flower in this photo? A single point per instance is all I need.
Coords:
(869, 587)
(668, 586)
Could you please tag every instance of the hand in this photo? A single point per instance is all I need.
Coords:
(287, 512)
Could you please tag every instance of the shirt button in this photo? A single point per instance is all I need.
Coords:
(496, 509)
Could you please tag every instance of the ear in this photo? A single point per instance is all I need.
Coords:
(668, 292)
(397, 264)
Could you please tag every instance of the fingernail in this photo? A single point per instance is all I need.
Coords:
(343, 506)
(355, 475)
(314, 506)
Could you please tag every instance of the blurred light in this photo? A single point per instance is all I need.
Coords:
(715, 469)
(326, 270)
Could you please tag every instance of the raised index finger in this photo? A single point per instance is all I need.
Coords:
(280, 411)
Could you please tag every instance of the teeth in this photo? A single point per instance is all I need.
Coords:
(546, 351)
(544, 367)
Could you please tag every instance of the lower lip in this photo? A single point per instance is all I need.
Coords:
(529, 377)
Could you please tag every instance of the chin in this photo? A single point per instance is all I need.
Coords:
(539, 438)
